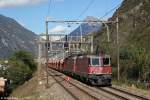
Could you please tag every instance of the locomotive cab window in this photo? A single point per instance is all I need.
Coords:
(95, 61)
(106, 61)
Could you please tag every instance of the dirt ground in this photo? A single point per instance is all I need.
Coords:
(36, 88)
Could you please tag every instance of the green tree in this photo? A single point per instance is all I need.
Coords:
(26, 58)
(20, 68)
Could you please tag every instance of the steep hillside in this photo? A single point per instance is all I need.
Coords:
(13, 37)
(134, 25)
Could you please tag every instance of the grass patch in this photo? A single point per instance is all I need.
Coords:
(132, 85)
(27, 90)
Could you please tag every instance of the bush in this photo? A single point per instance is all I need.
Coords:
(137, 66)
(26, 58)
(20, 68)
(18, 73)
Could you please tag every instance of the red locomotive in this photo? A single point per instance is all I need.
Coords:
(95, 70)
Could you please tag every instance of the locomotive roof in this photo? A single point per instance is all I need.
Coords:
(84, 55)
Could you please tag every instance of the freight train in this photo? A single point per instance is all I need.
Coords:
(92, 69)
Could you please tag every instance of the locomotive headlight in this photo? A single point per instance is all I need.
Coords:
(94, 72)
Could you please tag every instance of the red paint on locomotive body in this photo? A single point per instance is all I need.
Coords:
(74, 67)
(100, 70)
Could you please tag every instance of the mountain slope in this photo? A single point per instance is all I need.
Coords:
(134, 25)
(134, 21)
(14, 37)
(87, 28)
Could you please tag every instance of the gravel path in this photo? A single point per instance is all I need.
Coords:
(54, 90)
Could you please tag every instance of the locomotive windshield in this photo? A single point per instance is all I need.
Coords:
(95, 61)
(106, 61)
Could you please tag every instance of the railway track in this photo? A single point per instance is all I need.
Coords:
(80, 91)
(125, 95)
(75, 91)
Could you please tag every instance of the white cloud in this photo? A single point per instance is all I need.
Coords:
(59, 29)
(14, 3)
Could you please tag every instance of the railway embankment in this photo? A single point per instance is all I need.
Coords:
(61, 87)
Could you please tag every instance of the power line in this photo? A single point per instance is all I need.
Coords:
(49, 6)
(87, 7)
(114, 8)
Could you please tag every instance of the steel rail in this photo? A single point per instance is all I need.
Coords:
(95, 98)
(64, 87)
(131, 94)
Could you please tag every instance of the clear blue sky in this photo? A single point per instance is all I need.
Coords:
(32, 15)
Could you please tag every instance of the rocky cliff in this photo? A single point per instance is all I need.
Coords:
(134, 25)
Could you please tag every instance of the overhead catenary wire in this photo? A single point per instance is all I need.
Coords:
(112, 9)
(87, 7)
(49, 7)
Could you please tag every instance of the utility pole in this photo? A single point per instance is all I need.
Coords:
(81, 32)
(108, 37)
(46, 52)
(81, 37)
(118, 62)
(92, 43)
